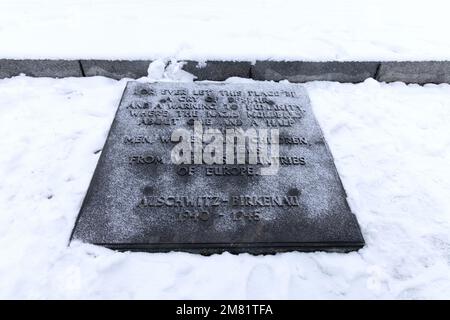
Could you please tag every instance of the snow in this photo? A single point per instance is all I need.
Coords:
(232, 30)
(391, 144)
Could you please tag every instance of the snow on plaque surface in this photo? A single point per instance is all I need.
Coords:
(226, 30)
(391, 145)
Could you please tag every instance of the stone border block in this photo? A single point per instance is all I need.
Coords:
(415, 72)
(303, 71)
(116, 69)
(295, 71)
(218, 70)
(40, 68)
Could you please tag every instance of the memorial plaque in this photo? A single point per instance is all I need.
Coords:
(209, 168)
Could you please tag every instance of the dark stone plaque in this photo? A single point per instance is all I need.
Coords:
(139, 199)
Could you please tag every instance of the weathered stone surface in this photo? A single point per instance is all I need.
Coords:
(295, 71)
(218, 70)
(415, 72)
(40, 68)
(139, 199)
(116, 69)
(302, 71)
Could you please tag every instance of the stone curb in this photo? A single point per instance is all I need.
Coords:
(116, 69)
(415, 72)
(295, 71)
(40, 68)
(218, 70)
(302, 71)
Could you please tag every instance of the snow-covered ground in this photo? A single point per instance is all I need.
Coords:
(391, 144)
(233, 29)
